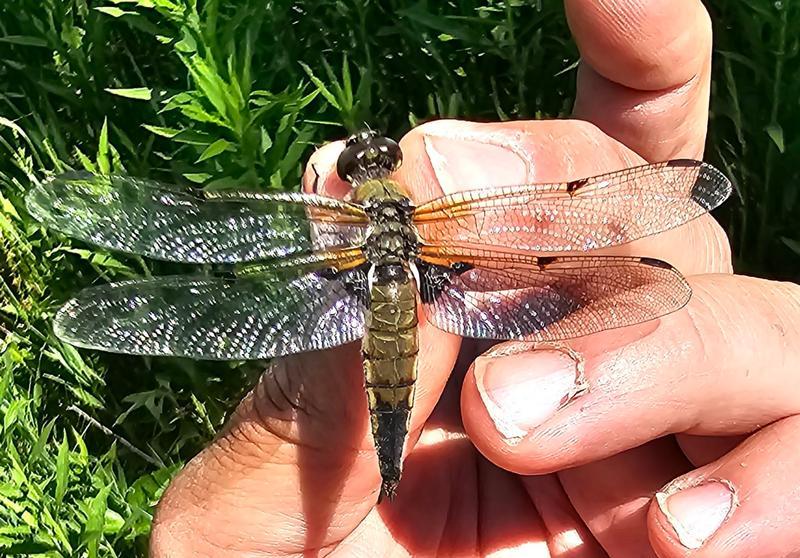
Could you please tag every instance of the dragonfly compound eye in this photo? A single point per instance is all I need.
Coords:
(368, 156)
(362, 136)
(390, 151)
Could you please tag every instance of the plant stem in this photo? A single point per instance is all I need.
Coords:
(780, 56)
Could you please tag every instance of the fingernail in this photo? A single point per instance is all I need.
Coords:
(463, 163)
(521, 391)
(697, 512)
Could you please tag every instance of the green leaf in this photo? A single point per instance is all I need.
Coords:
(214, 149)
(43, 438)
(62, 471)
(266, 141)
(347, 85)
(138, 93)
(95, 521)
(142, 3)
(194, 138)
(794, 245)
(197, 177)
(162, 131)
(82, 455)
(86, 162)
(199, 114)
(12, 412)
(113, 522)
(209, 82)
(321, 87)
(187, 44)
(24, 40)
(775, 132)
(14, 126)
(5, 381)
(420, 14)
(103, 162)
(114, 12)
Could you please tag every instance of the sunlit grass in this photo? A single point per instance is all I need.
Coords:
(239, 92)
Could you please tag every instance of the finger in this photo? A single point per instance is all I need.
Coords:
(447, 156)
(702, 450)
(645, 73)
(747, 503)
(435, 509)
(320, 174)
(720, 367)
(508, 524)
(296, 468)
(567, 533)
(438, 514)
(613, 495)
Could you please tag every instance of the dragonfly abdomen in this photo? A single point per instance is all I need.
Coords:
(390, 366)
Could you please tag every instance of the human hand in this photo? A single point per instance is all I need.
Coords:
(294, 472)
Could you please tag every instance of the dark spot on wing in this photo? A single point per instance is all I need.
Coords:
(574, 185)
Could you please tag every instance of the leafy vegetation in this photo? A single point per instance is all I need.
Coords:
(227, 92)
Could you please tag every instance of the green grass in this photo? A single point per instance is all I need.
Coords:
(230, 93)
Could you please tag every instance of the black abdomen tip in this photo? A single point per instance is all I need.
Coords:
(388, 489)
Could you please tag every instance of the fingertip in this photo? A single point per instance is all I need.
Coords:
(686, 513)
(320, 173)
(659, 532)
(645, 75)
(647, 45)
(507, 399)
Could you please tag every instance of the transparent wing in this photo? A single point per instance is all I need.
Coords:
(580, 215)
(171, 223)
(253, 317)
(494, 295)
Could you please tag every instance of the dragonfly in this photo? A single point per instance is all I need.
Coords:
(311, 272)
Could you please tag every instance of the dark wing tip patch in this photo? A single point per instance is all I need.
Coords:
(684, 163)
(653, 262)
(711, 187)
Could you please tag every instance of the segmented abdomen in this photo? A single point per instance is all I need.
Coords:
(390, 366)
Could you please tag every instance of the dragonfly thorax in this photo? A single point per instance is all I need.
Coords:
(391, 238)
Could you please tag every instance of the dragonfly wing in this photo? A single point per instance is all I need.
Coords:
(493, 295)
(171, 223)
(580, 215)
(253, 317)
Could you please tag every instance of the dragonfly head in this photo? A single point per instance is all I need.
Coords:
(368, 155)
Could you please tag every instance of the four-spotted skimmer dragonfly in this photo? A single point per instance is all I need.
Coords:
(316, 272)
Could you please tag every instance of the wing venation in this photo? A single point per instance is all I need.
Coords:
(493, 295)
(257, 316)
(579, 215)
(170, 223)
